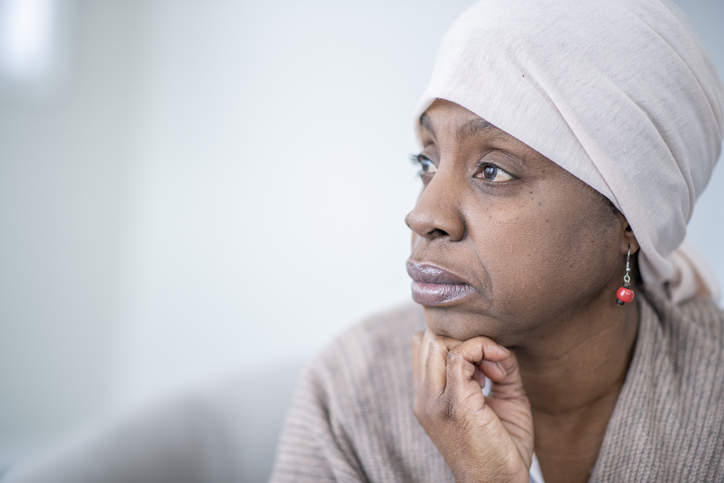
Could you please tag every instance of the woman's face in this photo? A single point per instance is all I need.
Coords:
(505, 242)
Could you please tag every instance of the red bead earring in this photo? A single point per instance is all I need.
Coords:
(625, 294)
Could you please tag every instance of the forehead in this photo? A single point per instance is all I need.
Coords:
(467, 123)
(444, 119)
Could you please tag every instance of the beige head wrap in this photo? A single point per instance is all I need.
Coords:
(620, 93)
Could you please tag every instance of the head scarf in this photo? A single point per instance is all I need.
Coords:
(620, 93)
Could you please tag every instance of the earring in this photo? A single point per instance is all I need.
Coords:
(625, 294)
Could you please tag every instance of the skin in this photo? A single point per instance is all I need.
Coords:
(545, 254)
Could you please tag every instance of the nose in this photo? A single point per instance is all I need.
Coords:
(437, 212)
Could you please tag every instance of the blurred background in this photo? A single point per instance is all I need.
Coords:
(196, 189)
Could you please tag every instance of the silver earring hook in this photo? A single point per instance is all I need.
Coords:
(627, 277)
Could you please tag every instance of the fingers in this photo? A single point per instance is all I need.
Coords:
(477, 357)
(510, 386)
(478, 349)
(429, 353)
(466, 362)
(437, 358)
(436, 363)
(467, 427)
(495, 371)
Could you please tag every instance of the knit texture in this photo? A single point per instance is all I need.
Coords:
(351, 418)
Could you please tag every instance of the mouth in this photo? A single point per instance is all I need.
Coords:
(435, 286)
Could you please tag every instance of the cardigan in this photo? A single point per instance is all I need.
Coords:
(351, 417)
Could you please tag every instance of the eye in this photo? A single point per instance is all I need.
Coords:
(492, 173)
(425, 163)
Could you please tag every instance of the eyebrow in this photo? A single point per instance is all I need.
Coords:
(474, 126)
(470, 128)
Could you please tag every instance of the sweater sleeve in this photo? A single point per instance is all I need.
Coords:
(314, 445)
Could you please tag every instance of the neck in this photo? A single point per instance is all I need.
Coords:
(573, 376)
(581, 363)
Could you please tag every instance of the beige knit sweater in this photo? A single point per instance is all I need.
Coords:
(351, 418)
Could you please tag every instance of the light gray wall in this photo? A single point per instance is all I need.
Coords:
(64, 181)
(218, 186)
(706, 228)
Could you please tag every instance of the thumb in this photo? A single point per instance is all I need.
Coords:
(506, 384)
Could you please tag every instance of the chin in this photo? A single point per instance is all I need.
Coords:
(463, 325)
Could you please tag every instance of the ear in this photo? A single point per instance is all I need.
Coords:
(628, 239)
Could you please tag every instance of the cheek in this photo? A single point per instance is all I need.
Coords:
(537, 259)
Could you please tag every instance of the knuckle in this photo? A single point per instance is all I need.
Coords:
(435, 342)
(445, 408)
(513, 365)
(455, 357)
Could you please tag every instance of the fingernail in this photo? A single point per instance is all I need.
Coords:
(500, 366)
(504, 349)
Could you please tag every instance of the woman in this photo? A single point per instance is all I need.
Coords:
(564, 144)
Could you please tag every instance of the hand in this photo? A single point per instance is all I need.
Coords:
(481, 438)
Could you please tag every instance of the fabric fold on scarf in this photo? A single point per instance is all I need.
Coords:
(621, 94)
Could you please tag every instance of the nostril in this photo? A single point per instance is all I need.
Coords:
(436, 214)
(436, 232)
(425, 227)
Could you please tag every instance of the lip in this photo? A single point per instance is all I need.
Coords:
(435, 286)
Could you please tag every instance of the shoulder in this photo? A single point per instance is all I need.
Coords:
(687, 343)
(385, 330)
(369, 359)
(375, 340)
(668, 424)
(685, 391)
(693, 331)
(351, 418)
(705, 319)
